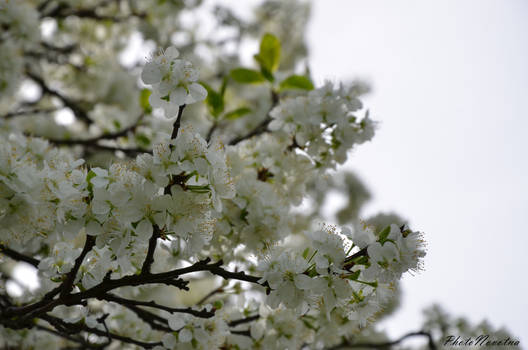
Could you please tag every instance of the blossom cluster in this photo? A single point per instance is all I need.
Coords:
(173, 81)
(323, 123)
(189, 201)
(45, 191)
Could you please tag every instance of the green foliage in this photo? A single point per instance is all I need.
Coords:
(142, 139)
(214, 100)
(237, 113)
(296, 82)
(247, 76)
(269, 54)
(384, 234)
(144, 100)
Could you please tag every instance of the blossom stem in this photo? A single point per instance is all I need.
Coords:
(70, 277)
(177, 122)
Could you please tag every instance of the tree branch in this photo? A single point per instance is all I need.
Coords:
(389, 344)
(67, 285)
(18, 257)
(149, 259)
(262, 126)
(76, 109)
(176, 125)
(29, 111)
(75, 328)
(123, 301)
(243, 320)
(93, 140)
(170, 278)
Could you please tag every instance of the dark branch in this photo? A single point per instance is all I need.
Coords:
(149, 259)
(94, 140)
(243, 320)
(389, 344)
(177, 122)
(262, 126)
(29, 111)
(62, 326)
(350, 260)
(67, 285)
(17, 256)
(123, 301)
(210, 294)
(154, 321)
(65, 336)
(259, 129)
(76, 109)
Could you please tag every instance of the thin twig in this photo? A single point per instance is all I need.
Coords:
(79, 112)
(389, 344)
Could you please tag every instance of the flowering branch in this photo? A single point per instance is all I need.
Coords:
(262, 126)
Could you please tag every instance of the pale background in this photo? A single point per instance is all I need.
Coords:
(450, 83)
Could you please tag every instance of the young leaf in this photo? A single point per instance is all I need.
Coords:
(144, 100)
(142, 139)
(296, 82)
(246, 76)
(237, 113)
(269, 55)
(384, 234)
(214, 101)
(224, 85)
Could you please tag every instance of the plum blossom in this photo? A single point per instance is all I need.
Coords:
(173, 80)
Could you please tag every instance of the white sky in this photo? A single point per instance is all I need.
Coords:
(450, 83)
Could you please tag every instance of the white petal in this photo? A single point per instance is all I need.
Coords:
(185, 335)
(151, 74)
(171, 53)
(93, 228)
(169, 341)
(176, 322)
(197, 92)
(100, 207)
(144, 229)
(178, 96)
(303, 281)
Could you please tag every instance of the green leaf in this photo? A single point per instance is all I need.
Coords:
(214, 101)
(246, 76)
(144, 100)
(117, 124)
(218, 304)
(269, 55)
(384, 234)
(89, 177)
(355, 275)
(142, 139)
(296, 82)
(267, 74)
(224, 85)
(237, 113)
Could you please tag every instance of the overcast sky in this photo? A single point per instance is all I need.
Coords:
(450, 83)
